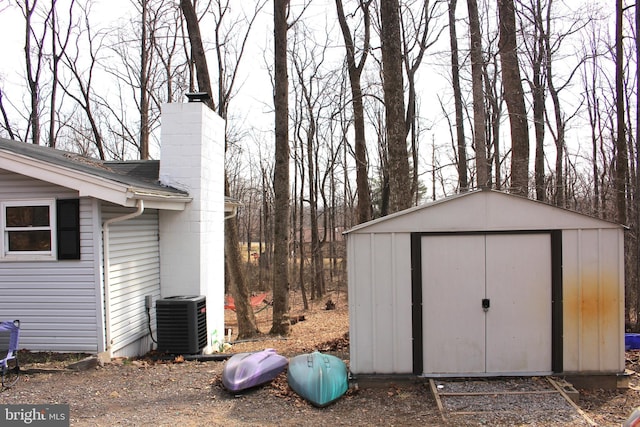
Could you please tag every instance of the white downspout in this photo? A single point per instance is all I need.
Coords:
(105, 255)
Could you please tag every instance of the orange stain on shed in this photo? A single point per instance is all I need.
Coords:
(592, 300)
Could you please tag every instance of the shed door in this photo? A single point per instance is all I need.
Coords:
(510, 271)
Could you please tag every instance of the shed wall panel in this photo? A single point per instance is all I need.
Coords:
(56, 301)
(380, 322)
(359, 250)
(592, 291)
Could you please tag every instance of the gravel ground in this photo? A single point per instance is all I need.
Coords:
(507, 401)
(167, 393)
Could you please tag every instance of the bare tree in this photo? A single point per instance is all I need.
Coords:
(637, 180)
(239, 289)
(399, 175)
(280, 324)
(83, 77)
(59, 42)
(479, 112)
(514, 97)
(5, 118)
(34, 52)
(535, 47)
(313, 90)
(493, 92)
(561, 119)
(461, 145)
(145, 60)
(622, 160)
(197, 50)
(355, 72)
(227, 73)
(298, 210)
(418, 35)
(167, 45)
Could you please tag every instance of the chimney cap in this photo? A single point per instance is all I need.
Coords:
(198, 96)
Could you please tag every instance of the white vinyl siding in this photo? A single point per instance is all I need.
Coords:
(134, 272)
(55, 301)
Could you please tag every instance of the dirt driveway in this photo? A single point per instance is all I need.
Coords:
(144, 392)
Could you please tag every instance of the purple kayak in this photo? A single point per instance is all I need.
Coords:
(246, 370)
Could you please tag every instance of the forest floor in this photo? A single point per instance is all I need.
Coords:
(148, 391)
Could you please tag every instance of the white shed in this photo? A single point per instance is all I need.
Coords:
(486, 283)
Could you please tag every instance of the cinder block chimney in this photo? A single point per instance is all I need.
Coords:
(192, 241)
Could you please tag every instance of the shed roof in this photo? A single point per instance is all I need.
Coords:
(482, 210)
(118, 182)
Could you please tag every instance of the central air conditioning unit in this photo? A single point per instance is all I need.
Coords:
(181, 323)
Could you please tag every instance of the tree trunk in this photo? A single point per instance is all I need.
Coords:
(479, 112)
(238, 286)
(55, 60)
(33, 77)
(317, 263)
(514, 98)
(538, 94)
(621, 163)
(637, 181)
(560, 187)
(301, 250)
(144, 85)
(280, 325)
(399, 174)
(463, 179)
(621, 143)
(197, 50)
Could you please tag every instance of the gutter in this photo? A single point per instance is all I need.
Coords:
(234, 208)
(105, 255)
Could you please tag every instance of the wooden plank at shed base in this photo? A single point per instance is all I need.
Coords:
(498, 393)
(572, 403)
(434, 391)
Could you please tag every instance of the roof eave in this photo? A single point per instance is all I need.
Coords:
(88, 185)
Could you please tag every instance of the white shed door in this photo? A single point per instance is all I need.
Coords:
(513, 273)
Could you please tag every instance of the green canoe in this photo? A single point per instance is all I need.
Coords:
(317, 377)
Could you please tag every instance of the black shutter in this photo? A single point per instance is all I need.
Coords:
(68, 217)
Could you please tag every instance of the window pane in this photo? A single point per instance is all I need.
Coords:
(30, 240)
(27, 216)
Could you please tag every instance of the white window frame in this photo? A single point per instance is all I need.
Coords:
(6, 254)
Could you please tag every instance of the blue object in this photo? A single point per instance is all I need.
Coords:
(9, 366)
(631, 341)
(247, 370)
(319, 378)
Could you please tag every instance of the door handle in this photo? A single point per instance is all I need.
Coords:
(486, 303)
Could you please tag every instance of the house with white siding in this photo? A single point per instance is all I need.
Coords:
(85, 243)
